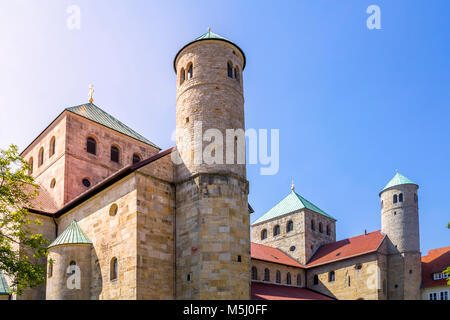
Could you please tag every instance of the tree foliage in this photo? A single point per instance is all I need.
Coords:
(20, 248)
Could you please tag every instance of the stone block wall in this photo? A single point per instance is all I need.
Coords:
(213, 240)
(81, 164)
(284, 270)
(156, 231)
(300, 243)
(355, 279)
(53, 166)
(113, 236)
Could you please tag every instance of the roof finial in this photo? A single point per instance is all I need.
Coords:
(396, 170)
(292, 186)
(91, 93)
(209, 29)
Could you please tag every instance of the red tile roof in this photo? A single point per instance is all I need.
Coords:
(270, 291)
(435, 261)
(265, 253)
(43, 202)
(347, 248)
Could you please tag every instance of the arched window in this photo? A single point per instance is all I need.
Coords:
(290, 226)
(91, 145)
(320, 227)
(400, 197)
(299, 280)
(72, 265)
(415, 197)
(237, 74)
(114, 154)
(382, 203)
(278, 277)
(53, 183)
(288, 278)
(190, 72)
(230, 69)
(313, 226)
(113, 210)
(264, 234)
(136, 158)
(50, 270)
(41, 157)
(30, 162)
(328, 230)
(254, 273)
(182, 76)
(266, 275)
(51, 149)
(276, 230)
(316, 280)
(331, 276)
(395, 198)
(113, 269)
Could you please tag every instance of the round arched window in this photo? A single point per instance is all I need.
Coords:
(53, 183)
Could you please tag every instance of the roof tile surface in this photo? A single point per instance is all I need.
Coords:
(347, 248)
(266, 253)
(435, 261)
(269, 291)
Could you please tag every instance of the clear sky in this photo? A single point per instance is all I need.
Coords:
(352, 104)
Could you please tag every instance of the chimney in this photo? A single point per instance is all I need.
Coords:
(365, 232)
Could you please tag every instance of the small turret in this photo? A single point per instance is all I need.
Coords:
(68, 278)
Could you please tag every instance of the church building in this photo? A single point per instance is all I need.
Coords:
(127, 220)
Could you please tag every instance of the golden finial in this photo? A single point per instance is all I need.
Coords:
(91, 93)
(292, 186)
(209, 29)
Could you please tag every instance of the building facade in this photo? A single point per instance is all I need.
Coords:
(126, 220)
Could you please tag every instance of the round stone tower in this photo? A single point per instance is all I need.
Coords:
(400, 222)
(212, 227)
(68, 278)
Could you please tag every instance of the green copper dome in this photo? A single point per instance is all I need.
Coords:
(209, 36)
(73, 234)
(293, 202)
(397, 180)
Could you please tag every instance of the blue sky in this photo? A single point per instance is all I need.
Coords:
(352, 104)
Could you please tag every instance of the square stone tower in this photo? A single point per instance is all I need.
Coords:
(295, 226)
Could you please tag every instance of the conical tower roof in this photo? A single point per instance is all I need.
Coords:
(73, 234)
(397, 180)
(209, 36)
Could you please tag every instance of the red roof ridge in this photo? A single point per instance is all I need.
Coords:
(347, 248)
(262, 252)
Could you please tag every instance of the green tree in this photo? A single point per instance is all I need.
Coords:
(20, 248)
(447, 272)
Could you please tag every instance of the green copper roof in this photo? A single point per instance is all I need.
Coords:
(92, 112)
(397, 180)
(209, 36)
(4, 288)
(72, 235)
(293, 202)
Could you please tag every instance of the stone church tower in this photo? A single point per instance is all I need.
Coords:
(400, 222)
(212, 218)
